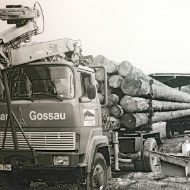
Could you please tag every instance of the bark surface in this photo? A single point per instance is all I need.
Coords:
(136, 104)
(111, 66)
(115, 81)
(136, 83)
(132, 120)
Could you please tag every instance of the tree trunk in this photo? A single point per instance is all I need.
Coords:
(127, 70)
(111, 66)
(138, 87)
(113, 99)
(136, 104)
(115, 81)
(132, 121)
(114, 123)
(105, 110)
(102, 89)
(101, 98)
(99, 75)
(116, 111)
(136, 83)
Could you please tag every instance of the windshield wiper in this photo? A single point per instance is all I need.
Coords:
(49, 95)
(21, 97)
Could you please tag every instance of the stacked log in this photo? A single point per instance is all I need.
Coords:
(131, 92)
(136, 83)
(134, 120)
(137, 104)
(111, 66)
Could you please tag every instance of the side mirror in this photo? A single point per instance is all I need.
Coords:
(91, 92)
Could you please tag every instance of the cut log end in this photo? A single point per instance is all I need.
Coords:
(128, 120)
(115, 81)
(116, 111)
(113, 99)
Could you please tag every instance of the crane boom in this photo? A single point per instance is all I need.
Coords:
(11, 50)
(42, 50)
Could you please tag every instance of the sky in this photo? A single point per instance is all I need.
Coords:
(153, 35)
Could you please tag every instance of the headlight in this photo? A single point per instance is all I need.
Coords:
(61, 160)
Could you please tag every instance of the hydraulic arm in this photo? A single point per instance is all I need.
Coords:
(11, 50)
(25, 20)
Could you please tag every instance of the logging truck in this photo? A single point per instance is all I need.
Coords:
(52, 129)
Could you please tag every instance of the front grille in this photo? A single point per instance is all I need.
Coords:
(41, 140)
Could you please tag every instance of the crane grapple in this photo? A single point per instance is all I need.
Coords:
(18, 14)
(24, 19)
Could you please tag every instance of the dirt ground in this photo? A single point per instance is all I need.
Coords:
(129, 179)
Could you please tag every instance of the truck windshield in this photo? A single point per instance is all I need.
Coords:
(41, 82)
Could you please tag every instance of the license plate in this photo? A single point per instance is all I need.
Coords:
(5, 167)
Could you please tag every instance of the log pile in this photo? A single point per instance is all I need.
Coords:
(131, 92)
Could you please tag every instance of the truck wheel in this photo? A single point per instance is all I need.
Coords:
(151, 163)
(98, 176)
(169, 131)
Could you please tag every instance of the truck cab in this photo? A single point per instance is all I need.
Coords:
(57, 125)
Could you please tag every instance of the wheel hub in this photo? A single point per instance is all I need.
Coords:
(100, 180)
(98, 177)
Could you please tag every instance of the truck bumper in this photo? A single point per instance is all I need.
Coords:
(54, 174)
(26, 167)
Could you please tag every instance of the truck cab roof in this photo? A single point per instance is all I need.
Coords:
(63, 62)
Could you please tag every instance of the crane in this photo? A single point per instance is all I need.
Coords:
(11, 40)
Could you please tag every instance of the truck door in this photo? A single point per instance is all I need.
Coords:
(88, 109)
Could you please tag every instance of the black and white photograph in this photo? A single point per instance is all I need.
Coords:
(94, 94)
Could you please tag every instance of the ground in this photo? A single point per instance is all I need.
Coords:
(129, 179)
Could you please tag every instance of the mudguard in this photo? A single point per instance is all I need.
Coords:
(95, 143)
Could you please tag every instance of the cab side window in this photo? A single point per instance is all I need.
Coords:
(85, 82)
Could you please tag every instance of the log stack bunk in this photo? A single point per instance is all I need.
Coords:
(136, 100)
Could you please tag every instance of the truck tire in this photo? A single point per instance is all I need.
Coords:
(148, 163)
(169, 131)
(151, 164)
(97, 178)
